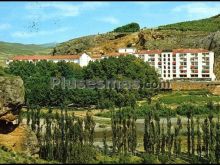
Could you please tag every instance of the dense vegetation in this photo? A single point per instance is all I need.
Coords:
(209, 24)
(69, 139)
(37, 81)
(131, 27)
(11, 157)
(164, 110)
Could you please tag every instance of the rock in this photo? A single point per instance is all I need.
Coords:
(211, 42)
(16, 137)
(19, 138)
(11, 97)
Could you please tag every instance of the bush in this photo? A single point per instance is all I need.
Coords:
(2, 72)
(163, 158)
(132, 27)
(149, 159)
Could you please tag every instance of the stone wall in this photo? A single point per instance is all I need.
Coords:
(213, 87)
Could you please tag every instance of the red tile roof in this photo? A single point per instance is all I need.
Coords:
(47, 57)
(114, 54)
(96, 56)
(190, 51)
(157, 51)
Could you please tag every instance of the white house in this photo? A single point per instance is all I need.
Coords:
(127, 50)
(82, 60)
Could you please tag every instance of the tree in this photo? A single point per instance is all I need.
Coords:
(132, 27)
(206, 136)
(192, 135)
(217, 147)
(105, 145)
(199, 138)
(188, 131)
(147, 132)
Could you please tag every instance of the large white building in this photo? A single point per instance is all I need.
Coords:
(176, 64)
(191, 64)
(82, 60)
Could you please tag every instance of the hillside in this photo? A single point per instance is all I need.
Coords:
(7, 157)
(11, 49)
(192, 34)
(211, 24)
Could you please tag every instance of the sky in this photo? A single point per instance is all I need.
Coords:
(48, 22)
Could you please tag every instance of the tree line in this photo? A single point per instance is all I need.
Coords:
(37, 78)
(70, 139)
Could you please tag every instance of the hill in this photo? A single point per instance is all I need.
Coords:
(11, 49)
(192, 34)
(211, 24)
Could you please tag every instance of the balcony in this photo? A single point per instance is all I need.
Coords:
(205, 71)
(194, 71)
(194, 67)
(174, 63)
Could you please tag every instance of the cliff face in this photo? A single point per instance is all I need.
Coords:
(11, 98)
(212, 42)
(17, 137)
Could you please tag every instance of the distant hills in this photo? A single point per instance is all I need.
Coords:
(10, 49)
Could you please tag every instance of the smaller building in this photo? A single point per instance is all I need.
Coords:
(127, 50)
(82, 60)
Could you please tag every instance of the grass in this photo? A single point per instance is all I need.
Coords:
(179, 99)
(171, 100)
(209, 24)
(10, 157)
(197, 97)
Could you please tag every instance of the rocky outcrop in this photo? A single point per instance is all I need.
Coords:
(11, 97)
(212, 42)
(16, 137)
(20, 138)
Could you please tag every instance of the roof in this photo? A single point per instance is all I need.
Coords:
(127, 48)
(114, 54)
(190, 51)
(96, 56)
(157, 51)
(47, 57)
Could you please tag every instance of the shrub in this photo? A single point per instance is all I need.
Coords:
(149, 159)
(163, 158)
(132, 27)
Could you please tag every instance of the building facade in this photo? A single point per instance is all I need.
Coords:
(179, 64)
(176, 64)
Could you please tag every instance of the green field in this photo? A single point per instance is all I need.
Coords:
(170, 101)
(196, 97)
